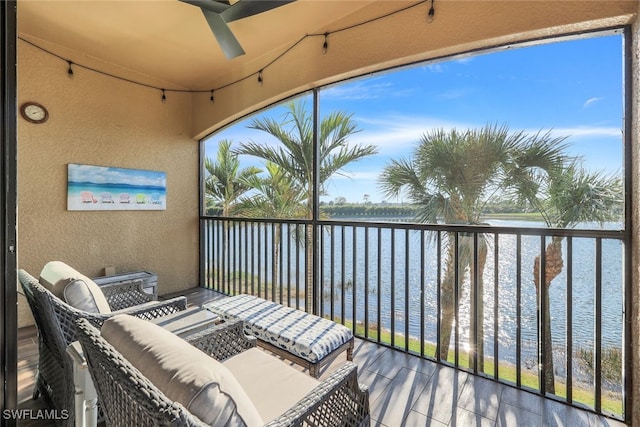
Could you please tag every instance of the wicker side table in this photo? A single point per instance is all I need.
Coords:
(149, 280)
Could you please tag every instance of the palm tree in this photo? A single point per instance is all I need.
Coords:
(452, 175)
(295, 155)
(225, 182)
(566, 197)
(276, 197)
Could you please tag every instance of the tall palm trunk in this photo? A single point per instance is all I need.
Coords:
(553, 267)
(449, 302)
(226, 275)
(275, 268)
(309, 263)
(477, 293)
(309, 254)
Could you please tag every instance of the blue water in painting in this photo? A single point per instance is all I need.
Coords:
(115, 189)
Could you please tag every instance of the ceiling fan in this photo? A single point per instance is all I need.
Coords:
(220, 12)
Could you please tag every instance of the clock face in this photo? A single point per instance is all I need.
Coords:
(34, 112)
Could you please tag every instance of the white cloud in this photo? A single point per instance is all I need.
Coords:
(374, 88)
(434, 68)
(453, 94)
(397, 133)
(591, 101)
(586, 132)
(359, 90)
(464, 59)
(105, 175)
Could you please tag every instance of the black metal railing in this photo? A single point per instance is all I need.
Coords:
(401, 284)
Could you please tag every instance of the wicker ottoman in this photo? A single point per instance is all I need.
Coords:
(304, 338)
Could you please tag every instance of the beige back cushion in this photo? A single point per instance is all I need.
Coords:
(73, 287)
(182, 372)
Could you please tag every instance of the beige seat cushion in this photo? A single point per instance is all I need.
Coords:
(272, 385)
(182, 372)
(71, 286)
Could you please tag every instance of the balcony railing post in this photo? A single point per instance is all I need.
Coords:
(392, 268)
(519, 310)
(456, 297)
(407, 315)
(569, 320)
(422, 291)
(366, 282)
(354, 275)
(438, 292)
(474, 308)
(496, 310)
(542, 317)
(597, 366)
(342, 274)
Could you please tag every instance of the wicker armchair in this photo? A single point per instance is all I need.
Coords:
(55, 321)
(129, 398)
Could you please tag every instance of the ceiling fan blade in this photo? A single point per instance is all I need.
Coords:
(227, 41)
(216, 6)
(245, 8)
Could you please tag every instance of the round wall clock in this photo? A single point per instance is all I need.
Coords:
(34, 112)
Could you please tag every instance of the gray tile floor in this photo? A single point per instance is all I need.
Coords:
(408, 391)
(404, 390)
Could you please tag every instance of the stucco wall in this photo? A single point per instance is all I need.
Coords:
(98, 120)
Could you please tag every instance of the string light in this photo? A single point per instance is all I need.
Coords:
(325, 47)
(431, 13)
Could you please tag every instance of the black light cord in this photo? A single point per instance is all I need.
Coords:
(431, 13)
(258, 73)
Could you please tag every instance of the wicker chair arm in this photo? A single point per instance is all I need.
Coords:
(129, 398)
(222, 341)
(337, 401)
(156, 309)
(125, 294)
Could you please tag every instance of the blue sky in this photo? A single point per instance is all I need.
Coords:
(109, 175)
(571, 88)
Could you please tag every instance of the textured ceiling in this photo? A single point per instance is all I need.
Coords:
(170, 40)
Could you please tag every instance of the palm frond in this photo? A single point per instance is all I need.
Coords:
(294, 153)
(575, 195)
(223, 182)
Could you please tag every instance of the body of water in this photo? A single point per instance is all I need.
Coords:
(392, 278)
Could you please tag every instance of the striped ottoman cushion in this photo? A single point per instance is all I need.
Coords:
(302, 334)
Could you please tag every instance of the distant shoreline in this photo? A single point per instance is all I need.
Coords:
(523, 216)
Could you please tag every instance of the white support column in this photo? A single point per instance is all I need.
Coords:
(86, 399)
(634, 316)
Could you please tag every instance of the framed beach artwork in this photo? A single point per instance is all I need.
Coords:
(102, 188)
